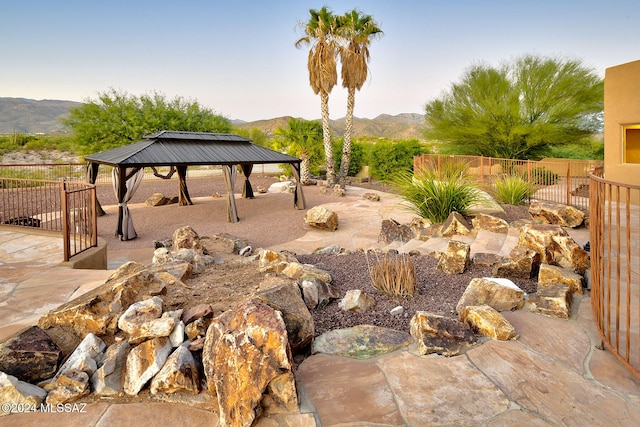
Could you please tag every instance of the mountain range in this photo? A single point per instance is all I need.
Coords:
(43, 117)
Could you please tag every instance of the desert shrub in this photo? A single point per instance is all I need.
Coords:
(512, 189)
(357, 160)
(543, 176)
(394, 275)
(387, 157)
(431, 196)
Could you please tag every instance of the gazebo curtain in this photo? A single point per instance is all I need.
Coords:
(125, 184)
(298, 195)
(247, 191)
(92, 176)
(230, 173)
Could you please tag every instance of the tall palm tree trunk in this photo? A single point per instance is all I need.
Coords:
(348, 131)
(326, 138)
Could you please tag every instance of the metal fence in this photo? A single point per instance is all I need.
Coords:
(61, 206)
(557, 180)
(615, 266)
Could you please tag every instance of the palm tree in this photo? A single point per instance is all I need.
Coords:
(319, 34)
(356, 30)
(301, 138)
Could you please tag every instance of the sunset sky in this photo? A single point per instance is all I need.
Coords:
(238, 57)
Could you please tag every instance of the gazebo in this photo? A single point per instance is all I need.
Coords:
(179, 150)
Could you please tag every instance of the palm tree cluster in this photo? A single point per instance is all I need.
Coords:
(347, 38)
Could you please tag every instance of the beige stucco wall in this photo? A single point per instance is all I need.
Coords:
(621, 108)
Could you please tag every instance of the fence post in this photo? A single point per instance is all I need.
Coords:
(66, 243)
(568, 183)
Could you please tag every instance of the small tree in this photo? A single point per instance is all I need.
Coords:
(301, 138)
(519, 110)
(117, 118)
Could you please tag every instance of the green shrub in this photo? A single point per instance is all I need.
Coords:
(433, 197)
(357, 160)
(542, 176)
(388, 158)
(512, 189)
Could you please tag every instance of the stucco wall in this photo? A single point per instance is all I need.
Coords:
(621, 108)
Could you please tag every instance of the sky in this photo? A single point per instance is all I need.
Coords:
(238, 57)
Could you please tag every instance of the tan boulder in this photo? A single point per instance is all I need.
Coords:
(179, 374)
(488, 322)
(522, 262)
(392, 231)
(455, 259)
(322, 218)
(98, 310)
(423, 228)
(556, 214)
(68, 387)
(552, 301)
(186, 238)
(356, 300)
(455, 224)
(246, 353)
(143, 362)
(156, 199)
(554, 245)
(298, 320)
(490, 223)
(441, 335)
(552, 275)
(499, 293)
(274, 262)
(16, 393)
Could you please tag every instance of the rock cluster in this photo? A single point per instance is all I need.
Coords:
(241, 360)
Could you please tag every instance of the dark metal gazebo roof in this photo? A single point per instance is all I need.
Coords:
(171, 148)
(180, 150)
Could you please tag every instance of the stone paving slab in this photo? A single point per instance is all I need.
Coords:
(349, 391)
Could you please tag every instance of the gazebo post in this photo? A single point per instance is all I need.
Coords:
(183, 191)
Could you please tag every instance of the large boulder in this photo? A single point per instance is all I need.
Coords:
(488, 322)
(179, 374)
(550, 275)
(186, 238)
(98, 311)
(501, 294)
(552, 301)
(322, 218)
(441, 335)
(30, 356)
(247, 361)
(522, 263)
(555, 246)
(490, 223)
(556, 214)
(455, 224)
(107, 379)
(361, 341)
(288, 300)
(143, 362)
